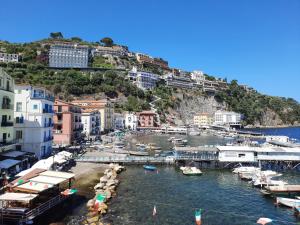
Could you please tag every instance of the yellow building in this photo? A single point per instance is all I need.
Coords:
(203, 119)
(6, 112)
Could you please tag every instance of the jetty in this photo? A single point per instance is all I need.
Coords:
(283, 189)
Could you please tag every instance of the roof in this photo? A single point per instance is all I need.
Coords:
(33, 187)
(13, 154)
(20, 197)
(57, 174)
(7, 163)
(47, 180)
(26, 175)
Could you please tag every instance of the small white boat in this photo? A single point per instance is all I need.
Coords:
(191, 171)
(289, 202)
(246, 169)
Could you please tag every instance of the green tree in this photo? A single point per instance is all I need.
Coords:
(56, 35)
(107, 41)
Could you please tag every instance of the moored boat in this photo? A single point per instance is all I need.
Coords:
(289, 202)
(149, 167)
(191, 171)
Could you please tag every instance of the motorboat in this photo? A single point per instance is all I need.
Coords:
(138, 153)
(149, 167)
(289, 202)
(246, 169)
(191, 171)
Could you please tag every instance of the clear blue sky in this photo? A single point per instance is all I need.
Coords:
(254, 41)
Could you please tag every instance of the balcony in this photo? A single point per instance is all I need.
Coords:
(10, 89)
(7, 124)
(42, 96)
(47, 111)
(7, 106)
(5, 143)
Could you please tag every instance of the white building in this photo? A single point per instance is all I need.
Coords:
(131, 121)
(225, 118)
(143, 80)
(198, 76)
(91, 120)
(5, 57)
(119, 121)
(33, 112)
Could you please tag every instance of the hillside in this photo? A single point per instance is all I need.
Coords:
(107, 77)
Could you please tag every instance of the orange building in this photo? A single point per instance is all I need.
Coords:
(147, 119)
(67, 123)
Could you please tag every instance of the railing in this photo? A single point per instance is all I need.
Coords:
(7, 124)
(5, 143)
(47, 111)
(17, 216)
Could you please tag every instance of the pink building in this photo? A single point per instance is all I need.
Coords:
(147, 119)
(67, 123)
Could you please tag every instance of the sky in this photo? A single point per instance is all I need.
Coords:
(256, 42)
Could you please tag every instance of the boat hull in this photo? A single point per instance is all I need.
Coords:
(289, 202)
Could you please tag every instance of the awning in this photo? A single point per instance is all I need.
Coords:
(8, 163)
(48, 180)
(32, 187)
(57, 174)
(20, 197)
(13, 154)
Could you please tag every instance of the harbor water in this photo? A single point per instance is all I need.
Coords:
(222, 196)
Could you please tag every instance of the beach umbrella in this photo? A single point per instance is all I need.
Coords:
(264, 221)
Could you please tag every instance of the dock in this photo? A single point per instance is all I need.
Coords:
(283, 189)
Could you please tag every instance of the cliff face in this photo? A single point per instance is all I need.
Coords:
(192, 104)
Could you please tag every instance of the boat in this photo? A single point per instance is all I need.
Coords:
(191, 171)
(149, 167)
(246, 169)
(170, 139)
(138, 153)
(289, 202)
(194, 133)
(270, 182)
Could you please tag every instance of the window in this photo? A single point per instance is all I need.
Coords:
(19, 107)
(35, 106)
(19, 134)
(242, 155)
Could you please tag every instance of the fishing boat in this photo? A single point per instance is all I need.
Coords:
(289, 202)
(149, 167)
(191, 171)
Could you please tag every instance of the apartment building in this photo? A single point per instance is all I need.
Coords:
(203, 119)
(68, 55)
(67, 123)
(225, 118)
(179, 81)
(33, 112)
(91, 120)
(119, 121)
(131, 120)
(116, 50)
(5, 57)
(7, 112)
(106, 109)
(147, 120)
(143, 80)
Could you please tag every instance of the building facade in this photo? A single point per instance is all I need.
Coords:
(91, 120)
(7, 112)
(106, 109)
(33, 112)
(66, 55)
(203, 119)
(119, 121)
(224, 118)
(5, 57)
(179, 81)
(67, 123)
(147, 120)
(131, 121)
(143, 80)
(115, 50)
